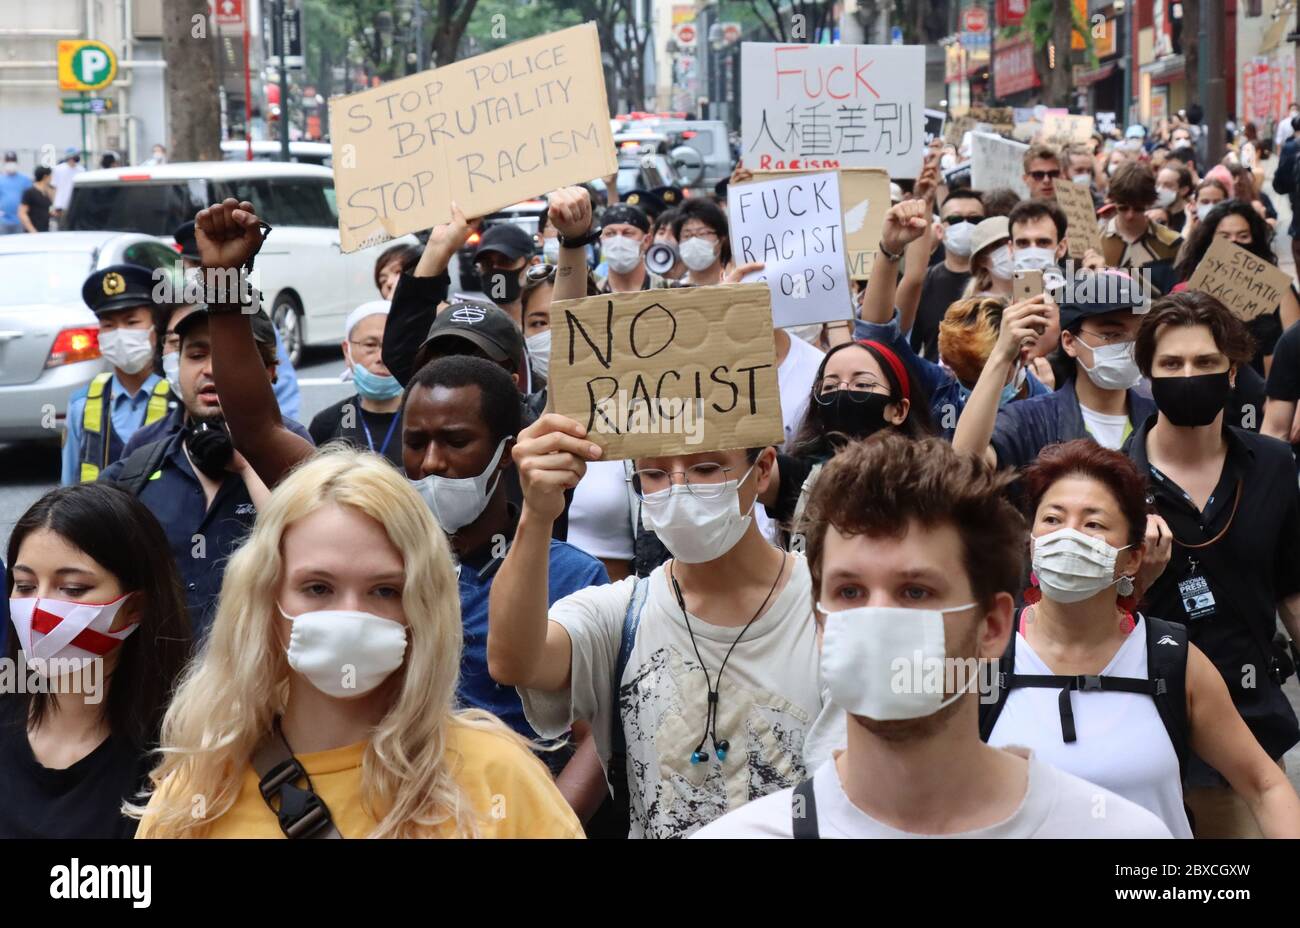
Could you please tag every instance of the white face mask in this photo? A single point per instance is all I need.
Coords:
(129, 350)
(539, 349)
(958, 239)
(698, 254)
(47, 627)
(343, 653)
(551, 251)
(1071, 566)
(1034, 259)
(694, 529)
(1165, 197)
(10, 167)
(1084, 179)
(457, 501)
(1203, 209)
(621, 253)
(171, 365)
(1002, 266)
(1113, 367)
(868, 651)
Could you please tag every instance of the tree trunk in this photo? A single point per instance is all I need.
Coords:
(1060, 78)
(191, 82)
(1191, 49)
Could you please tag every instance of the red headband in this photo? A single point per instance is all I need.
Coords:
(900, 372)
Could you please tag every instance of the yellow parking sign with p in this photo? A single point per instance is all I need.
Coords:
(86, 65)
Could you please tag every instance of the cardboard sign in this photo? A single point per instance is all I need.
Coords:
(997, 162)
(1063, 129)
(1247, 285)
(1075, 201)
(864, 200)
(668, 371)
(485, 132)
(819, 107)
(794, 226)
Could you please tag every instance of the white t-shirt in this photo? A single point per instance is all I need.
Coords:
(62, 177)
(1107, 431)
(794, 379)
(1121, 743)
(1056, 805)
(600, 515)
(769, 699)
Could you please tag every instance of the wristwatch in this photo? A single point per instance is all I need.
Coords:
(592, 236)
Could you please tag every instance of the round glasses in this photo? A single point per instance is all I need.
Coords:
(858, 390)
(706, 481)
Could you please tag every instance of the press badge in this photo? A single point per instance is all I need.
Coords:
(1198, 601)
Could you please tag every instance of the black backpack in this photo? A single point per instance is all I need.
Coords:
(1166, 683)
(140, 465)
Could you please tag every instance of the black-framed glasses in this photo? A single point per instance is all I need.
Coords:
(1041, 176)
(706, 481)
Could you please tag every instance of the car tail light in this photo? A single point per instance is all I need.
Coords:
(73, 345)
(689, 134)
(473, 239)
(135, 177)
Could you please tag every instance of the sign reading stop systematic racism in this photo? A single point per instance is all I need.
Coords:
(1248, 285)
(484, 133)
(821, 107)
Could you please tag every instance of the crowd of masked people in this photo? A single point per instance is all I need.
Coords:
(438, 610)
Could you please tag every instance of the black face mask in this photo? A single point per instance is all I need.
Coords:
(852, 413)
(210, 448)
(502, 287)
(1191, 401)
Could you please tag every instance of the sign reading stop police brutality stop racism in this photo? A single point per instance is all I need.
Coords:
(485, 132)
(668, 371)
(813, 107)
(794, 226)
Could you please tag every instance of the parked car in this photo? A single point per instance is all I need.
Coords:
(267, 150)
(49, 338)
(307, 283)
(709, 138)
(527, 215)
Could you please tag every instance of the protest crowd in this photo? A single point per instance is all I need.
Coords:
(742, 514)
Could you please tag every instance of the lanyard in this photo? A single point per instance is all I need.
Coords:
(371, 442)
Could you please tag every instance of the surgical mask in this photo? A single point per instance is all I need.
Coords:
(551, 251)
(958, 239)
(539, 349)
(171, 365)
(1010, 390)
(1113, 367)
(1071, 566)
(372, 386)
(621, 253)
(1191, 401)
(1083, 179)
(865, 650)
(344, 653)
(457, 501)
(11, 167)
(698, 254)
(70, 631)
(1002, 265)
(696, 529)
(129, 350)
(1203, 209)
(1034, 259)
(502, 287)
(1165, 197)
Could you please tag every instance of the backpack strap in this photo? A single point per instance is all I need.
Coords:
(1084, 683)
(617, 767)
(805, 490)
(1167, 654)
(142, 465)
(803, 812)
(989, 711)
(301, 813)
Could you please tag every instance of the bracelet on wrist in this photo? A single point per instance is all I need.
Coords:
(887, 254)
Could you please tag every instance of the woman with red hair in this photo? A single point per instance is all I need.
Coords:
(1099, 690)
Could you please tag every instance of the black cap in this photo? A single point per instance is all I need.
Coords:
(121, 286)
(622, 213)
(11, 156)
(505, 238)
(483, 326)
(185, 237)
(672, 196)
(1096, 293)
(263, 330)
(647, 201)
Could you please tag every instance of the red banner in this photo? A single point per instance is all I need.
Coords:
(1011, 12)
(1013, 66)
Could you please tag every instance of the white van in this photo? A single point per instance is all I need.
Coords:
(308, 284)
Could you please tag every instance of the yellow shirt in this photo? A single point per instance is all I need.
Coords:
(511, 790)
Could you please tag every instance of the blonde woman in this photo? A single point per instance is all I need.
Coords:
(338, 641)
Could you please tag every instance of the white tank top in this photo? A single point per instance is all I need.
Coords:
(1122, 744)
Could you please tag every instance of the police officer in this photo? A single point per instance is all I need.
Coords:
(203, 493)
(103, 415)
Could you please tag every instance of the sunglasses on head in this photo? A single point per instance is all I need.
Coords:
(1041, 176)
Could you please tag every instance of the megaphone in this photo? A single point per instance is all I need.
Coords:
(660, 258)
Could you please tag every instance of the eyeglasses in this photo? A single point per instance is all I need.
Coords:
(705, 481)
(1041, 176)
(369, 346)
(954, 219)
(1112, 338)
(708, 234)
(858, 390)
